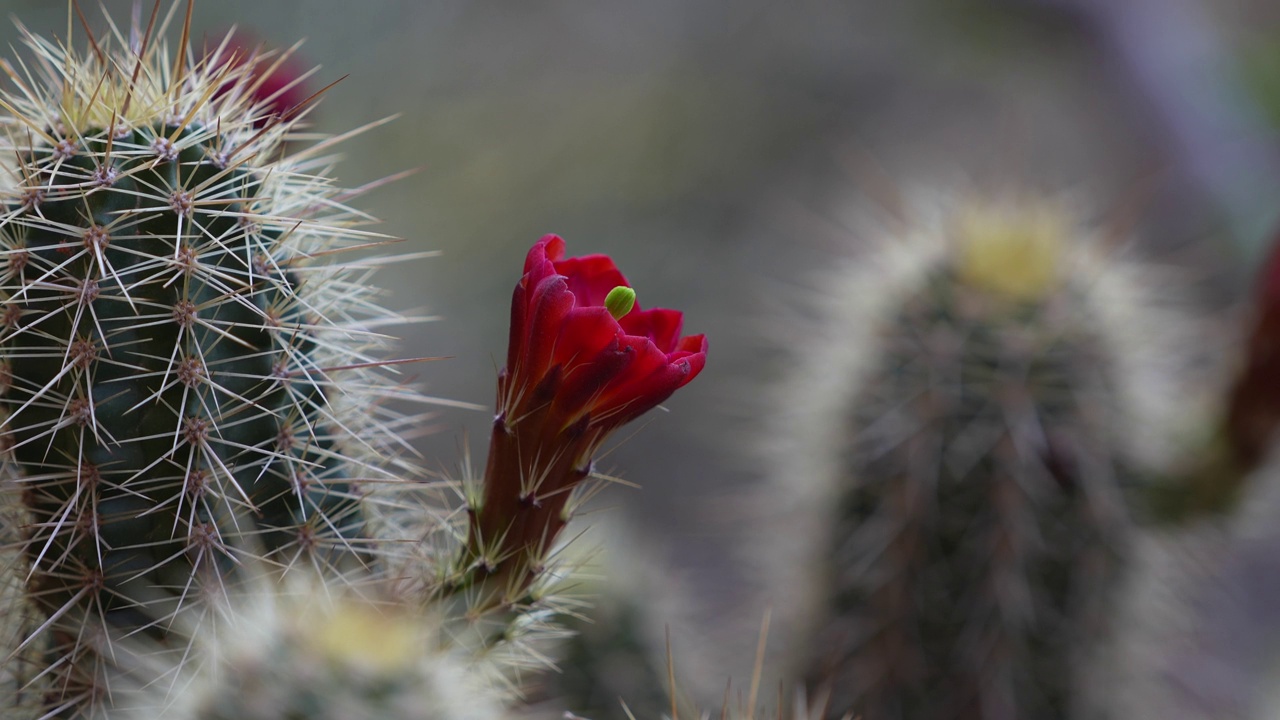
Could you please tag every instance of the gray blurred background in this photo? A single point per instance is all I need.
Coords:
(715, 147)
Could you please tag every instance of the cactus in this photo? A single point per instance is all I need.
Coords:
(970, 458)
(300, 647)
(187, 377)
(302, 650)
(614, 664)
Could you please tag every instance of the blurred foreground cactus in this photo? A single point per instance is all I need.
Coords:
(969, 432)
(304, 650)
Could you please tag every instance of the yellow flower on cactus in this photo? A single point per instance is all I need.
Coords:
(1013, 250)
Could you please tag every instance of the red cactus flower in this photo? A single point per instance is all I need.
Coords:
(276, 82)
(583, 360)
(611, 369)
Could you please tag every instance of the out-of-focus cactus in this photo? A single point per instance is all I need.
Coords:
(607, 661)
(614, 664)
(960, 440)
(187, 375)
(1210, 487)
(300, 650)
(1199, 616)
(310, 651)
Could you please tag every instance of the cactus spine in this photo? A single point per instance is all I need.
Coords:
(185, 381)
(969, 457)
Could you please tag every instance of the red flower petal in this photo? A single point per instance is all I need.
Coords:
(693, 350)
(584, 332)
(580, 393)
(547, 250)
(612, 369)
(273, 81)
(648, 380)
(660, 325)
(550, 303)
(591, 277)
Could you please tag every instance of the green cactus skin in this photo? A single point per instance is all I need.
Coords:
(169, 349)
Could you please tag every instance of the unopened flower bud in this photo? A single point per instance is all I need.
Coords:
(619, 301)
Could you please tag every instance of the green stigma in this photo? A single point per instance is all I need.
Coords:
(619, 301)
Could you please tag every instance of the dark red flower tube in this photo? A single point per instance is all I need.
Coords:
(582, 361)
(1253, 407)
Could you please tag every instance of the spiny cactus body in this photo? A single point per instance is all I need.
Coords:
(176, 357)
(968, 424)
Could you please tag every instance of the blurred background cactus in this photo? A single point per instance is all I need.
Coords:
(635, 635)
(968, 425)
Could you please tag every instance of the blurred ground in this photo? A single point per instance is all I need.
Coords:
(715, 148)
